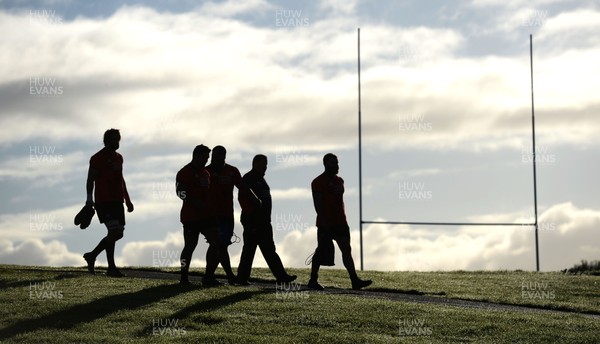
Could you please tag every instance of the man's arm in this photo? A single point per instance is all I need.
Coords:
(320, 209)
(183, 193)
(181, 190)
(318, 202)
(246, 192)
(127, 199)
(89, 186)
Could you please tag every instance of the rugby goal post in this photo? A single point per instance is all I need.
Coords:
(360, 205)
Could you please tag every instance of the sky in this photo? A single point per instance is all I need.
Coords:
(446, 123)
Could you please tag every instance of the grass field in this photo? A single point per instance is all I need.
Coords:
(65, 305)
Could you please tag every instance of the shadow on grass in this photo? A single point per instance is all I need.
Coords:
(84, 313)
(198, 311)
(403, 291)
(27, 283)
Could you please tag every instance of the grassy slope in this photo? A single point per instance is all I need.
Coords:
(100, 309)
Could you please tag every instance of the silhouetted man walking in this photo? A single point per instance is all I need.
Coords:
(258, 230)
(105, 180)
(223, 177)
(328, 199)
(193, 184)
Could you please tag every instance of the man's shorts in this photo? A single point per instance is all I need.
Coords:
(207, 226)
(108, 211)
(226, 225)
(334, 232)
(325, 252)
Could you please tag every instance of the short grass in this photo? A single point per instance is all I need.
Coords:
(64, 305)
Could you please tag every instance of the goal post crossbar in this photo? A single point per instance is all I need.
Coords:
(449, 223)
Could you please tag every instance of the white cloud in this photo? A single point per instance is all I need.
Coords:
(339, 6)
(163, 253)
(513, 3)
(261, 87)
(573, 29)
(37, 252)
(44, 165)
(411, 173)
(232, 8)
(292, 193)
(38, 224)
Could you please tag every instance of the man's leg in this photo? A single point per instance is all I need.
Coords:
(113, 216)
(344, 245)
(191, 232)
(226, 263)
(115, 232)
(90, 257)
(225, 233)
(314, 268)
(104, 215)
(212, 253)
(247, 257)
(99, 248)
(269, 251)
(324, 255)
(110, 253)
(313, 283)
(316, 263)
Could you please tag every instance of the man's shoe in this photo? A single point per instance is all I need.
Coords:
(185, 282)
(91, 261)
(115, 273)
(358, 284)
(242, 283)
(210, 282)
(287, 279)
(313, 284)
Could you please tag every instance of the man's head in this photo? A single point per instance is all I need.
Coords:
(259, 164)
(112, 137)
(217, 158)
(330, 161)
(200, 155)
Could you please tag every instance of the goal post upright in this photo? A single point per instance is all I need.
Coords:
(360, 210)
(537, 246)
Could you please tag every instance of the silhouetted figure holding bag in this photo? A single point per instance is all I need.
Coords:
(328, 199)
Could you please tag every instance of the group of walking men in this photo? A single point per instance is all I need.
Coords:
(207, 209)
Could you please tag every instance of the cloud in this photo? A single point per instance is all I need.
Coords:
(412, 173)
(339, 6)
(575, 29)
(37, 252)
(232, 8)
(291, 194)
(513, 3)
(259, 87)
(38, 224)
(163, 253)
(43, 165)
